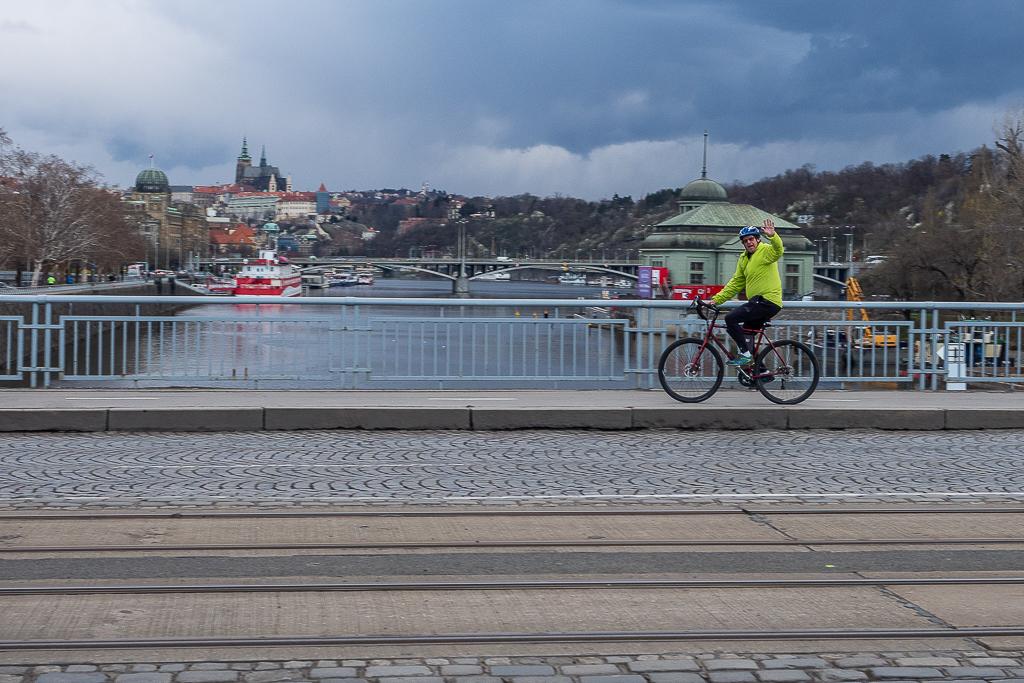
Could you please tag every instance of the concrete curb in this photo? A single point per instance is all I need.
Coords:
(832, 418)
(709, 418)
(485, 419)
(234, 419)
(972, 418)
(366, 418)
(185, 420)
(53, 420)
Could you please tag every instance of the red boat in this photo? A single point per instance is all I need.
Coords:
(268, 275)
(219, 286)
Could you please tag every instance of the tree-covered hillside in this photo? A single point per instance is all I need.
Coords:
(952, 225)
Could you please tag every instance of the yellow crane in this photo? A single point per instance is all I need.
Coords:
(855, 293)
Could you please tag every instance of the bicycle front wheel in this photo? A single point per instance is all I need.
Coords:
(787, 372)
(689, 371)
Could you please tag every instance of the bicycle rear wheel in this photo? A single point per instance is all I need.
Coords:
(787, 372)
(689, 373)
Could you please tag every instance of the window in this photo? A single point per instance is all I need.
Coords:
(696, 272)
(792, 283)
(657, 263)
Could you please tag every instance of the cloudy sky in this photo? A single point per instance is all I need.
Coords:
(579, 97)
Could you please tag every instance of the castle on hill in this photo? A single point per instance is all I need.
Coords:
(262, 178)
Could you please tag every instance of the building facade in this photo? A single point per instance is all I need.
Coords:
(296, 205)
(700, 245)
(175, 232)
(261, 206)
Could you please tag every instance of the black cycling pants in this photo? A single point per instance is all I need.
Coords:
(751, 315)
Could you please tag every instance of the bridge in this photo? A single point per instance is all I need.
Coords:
(829, 276)
(459, 271)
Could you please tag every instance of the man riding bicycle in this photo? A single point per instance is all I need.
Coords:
(757, 272)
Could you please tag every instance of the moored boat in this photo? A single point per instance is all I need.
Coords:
(268, 275)
(573, 279)
(341, 279)
(218, 286)
(314, 280)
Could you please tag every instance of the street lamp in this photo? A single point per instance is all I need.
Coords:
(461, 247)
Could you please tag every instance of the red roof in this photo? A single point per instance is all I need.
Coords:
(216, 189)
(259, 194)
(237, 234)
(299, 197)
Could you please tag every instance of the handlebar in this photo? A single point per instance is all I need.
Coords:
(704, 306)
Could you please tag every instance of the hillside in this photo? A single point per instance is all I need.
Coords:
(944, 221)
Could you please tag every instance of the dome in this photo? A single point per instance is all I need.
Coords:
(152, 180)
(703, 190)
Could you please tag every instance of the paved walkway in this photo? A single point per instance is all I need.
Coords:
(234, 410)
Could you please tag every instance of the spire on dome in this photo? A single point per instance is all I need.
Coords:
(263, 155)
(322, 188)
(245, 150)
(703, 189)
(704, 167)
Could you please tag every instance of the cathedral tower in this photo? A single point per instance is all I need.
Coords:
(244, 162)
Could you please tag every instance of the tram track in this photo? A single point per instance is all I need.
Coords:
(391, 530)
(600, 584)
(485, 544)
(367, 619)
(680, 636)
(505, 512)
(84, 582)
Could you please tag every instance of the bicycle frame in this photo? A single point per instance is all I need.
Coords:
(690, 371)
(759, 339)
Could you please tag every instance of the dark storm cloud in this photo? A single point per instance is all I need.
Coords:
(869, 59)
(586, 97)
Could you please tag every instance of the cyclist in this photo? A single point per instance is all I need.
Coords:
(757, 273)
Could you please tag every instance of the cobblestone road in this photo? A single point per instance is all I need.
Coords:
(674, 668)
(343, 467)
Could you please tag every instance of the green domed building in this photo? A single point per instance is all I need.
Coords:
(700, 245)
(152, 180)
(175, 232)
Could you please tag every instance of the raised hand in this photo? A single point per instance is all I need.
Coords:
(768, 227)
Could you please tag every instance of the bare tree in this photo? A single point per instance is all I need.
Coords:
(53, 213)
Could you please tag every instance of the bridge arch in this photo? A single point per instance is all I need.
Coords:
(397, 268)
(558, 268)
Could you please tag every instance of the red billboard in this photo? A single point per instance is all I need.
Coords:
(691, 292)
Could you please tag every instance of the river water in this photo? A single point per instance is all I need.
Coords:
(289, 347)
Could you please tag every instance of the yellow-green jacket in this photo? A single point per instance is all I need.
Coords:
(757, 273)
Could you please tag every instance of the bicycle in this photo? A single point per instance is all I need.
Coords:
(691, 369)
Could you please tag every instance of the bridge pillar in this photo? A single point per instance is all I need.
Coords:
(460, 286)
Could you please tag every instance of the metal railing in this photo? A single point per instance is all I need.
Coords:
(357, 342)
